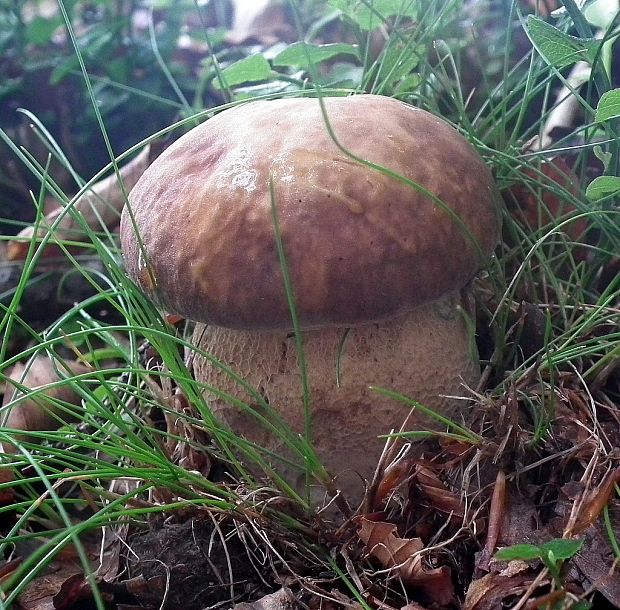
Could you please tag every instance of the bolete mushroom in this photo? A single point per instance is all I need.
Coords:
(370, 254)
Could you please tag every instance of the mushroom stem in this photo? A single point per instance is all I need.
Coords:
(427, 354)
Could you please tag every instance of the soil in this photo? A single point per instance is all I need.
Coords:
(193, 565)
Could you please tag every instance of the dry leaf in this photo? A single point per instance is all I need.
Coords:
(520, 522)
(41, 591)
(283, 599)
(402, 555)
(594, 503)
(382, 542)
(496, 516)
(72, 590)
(7, 494)
(440, 497)
(490, 591)
(7, 568)
(544, 7)
(394, 476)
(99, 207)
(38, 412)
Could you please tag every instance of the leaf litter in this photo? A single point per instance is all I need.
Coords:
(548, 469)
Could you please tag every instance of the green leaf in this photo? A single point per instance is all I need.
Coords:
(523, 552)
(602, 187)
(249, 70)
(63, 69)
(40, 30)
(557, 48)
(408, 84)
(343, 74)
(369, 14)
(562, 548)
(608, 106)
(299, 54)
(554, 550)
(603, 156)
(397, 63)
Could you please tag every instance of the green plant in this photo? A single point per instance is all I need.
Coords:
(547, 319)
(39, 72)
(553, 554)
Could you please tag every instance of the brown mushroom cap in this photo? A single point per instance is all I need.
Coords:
(360, 245)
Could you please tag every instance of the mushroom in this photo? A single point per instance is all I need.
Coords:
(378, 258)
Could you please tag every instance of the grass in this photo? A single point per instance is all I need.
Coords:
(548, 330)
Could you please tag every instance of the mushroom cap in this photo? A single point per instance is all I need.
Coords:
(360, 245)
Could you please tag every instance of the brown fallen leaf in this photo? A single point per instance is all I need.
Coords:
(62, 584)
(403, 557)
(282, 599)
(7, 494)
(393, 477)
(37, 411)
(73, 590)
(113, 540)
(439, 496)
(77, 592)
(458, 450)
(382, 542)
(544, 7)
(99, 207)
(40, 592)
(173, 319)
(520, 521)
(7, 568)
(492, 590)
(593, 503)
(548, 600)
